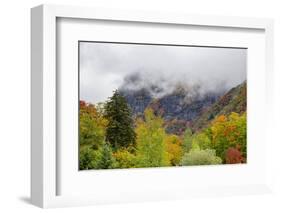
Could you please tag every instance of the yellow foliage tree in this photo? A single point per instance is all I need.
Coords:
(124, 158)
(226, 132)
(92, 126)
(174, 149)
(151, 147)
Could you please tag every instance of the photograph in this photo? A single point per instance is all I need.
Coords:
(152, 105)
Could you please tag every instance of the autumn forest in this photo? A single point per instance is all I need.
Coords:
(162, 121)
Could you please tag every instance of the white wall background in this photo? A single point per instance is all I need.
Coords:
(15, 103)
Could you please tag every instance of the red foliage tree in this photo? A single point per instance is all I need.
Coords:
(233, 155)
(82, 103)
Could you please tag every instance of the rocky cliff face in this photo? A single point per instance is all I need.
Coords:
(235, 100)
(180, 112)
(172, 106)
(177, 111)
(138, 100)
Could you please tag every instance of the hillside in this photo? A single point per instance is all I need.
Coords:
(235, 100)
(177, 110)
(170, 106)
(180, 113)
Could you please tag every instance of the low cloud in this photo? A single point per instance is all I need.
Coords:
(105, 67)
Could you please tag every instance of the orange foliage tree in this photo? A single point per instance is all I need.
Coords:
(174, 149)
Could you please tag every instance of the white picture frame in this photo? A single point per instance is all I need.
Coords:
(44, 154)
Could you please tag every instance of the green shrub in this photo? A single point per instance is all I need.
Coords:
(200, 157)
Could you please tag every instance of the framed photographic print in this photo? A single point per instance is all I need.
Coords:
(157, 105)
(130, 106)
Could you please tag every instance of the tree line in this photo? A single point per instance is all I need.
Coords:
(109, 137)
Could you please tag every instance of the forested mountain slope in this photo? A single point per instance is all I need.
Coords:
(235, 100)
(180, 113)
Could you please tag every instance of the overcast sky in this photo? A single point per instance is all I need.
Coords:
(105, 67)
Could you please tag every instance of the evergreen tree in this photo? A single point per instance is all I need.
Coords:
(89, 158)
(120, 129)
(85, 159)
(106, 161)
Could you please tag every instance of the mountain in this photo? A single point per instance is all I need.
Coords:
(181, 109)
(171, 106)
(178, 108)
(235, 100)
(138, 100)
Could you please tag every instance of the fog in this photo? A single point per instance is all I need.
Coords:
(105, 67)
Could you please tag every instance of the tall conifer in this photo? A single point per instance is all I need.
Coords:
(120, 130)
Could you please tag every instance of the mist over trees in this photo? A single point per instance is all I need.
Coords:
(158, 68)
(112, 137)
(175, 105)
